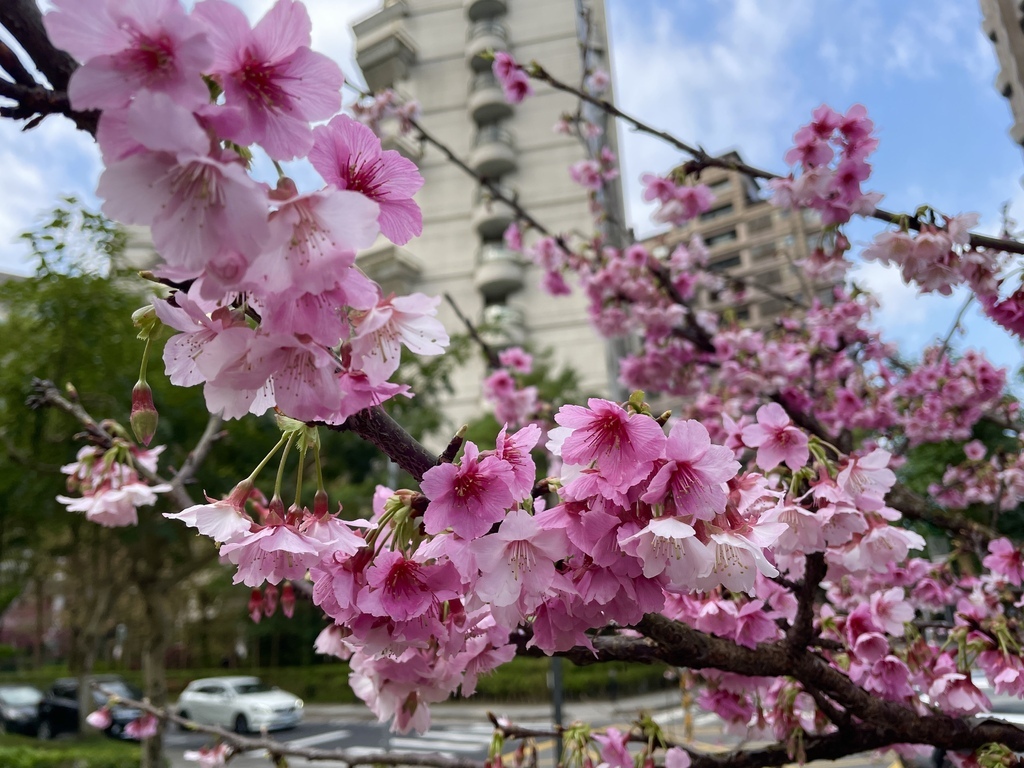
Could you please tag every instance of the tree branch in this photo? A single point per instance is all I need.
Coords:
(198, 455)
(703, 160)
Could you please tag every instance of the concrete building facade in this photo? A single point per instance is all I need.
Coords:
(432, 51)
(1003, 22)
(750, 238)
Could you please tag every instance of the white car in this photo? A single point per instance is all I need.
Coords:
(242, 704)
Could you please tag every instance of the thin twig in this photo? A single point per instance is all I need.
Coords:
(704, 160)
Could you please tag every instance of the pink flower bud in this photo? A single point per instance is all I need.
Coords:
(270, 594)
(144, 417)
(100, 719)
(256, 606)
(288, 599)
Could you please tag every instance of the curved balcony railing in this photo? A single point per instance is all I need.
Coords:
(493, 153)
(483, 36)
(491, 217)
(503, 326)
(499, 271)
(484, 9)
(487, 102)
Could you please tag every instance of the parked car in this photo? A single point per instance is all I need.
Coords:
(58, 711)
(19, 709)
(242, 703)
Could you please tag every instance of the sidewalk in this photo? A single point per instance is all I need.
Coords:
(463, 710)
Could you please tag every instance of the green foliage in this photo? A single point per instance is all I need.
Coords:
(325, 681)
(91, 752)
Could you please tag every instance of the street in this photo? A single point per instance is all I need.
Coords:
(469, 738)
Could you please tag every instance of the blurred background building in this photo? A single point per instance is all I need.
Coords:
(751, 239)
(1003, 22)
(433, 52)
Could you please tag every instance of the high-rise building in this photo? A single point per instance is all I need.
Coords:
(1002, 21)
(751, 239)
(434, 51)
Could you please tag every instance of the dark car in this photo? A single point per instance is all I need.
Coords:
(58, 711)
(19, 709)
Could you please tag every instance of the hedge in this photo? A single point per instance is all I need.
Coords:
(94, 752)
(522, 680)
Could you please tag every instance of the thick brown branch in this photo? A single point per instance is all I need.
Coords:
(915, 507)
(378, 428)
(11, 64)
(25, 23)
(802, 632)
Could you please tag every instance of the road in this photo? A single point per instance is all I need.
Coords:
(469, 739)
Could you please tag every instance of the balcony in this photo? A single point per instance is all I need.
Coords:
(499, 271)
(384, 49)
(493, 153)
(484, 9)
(490, 217)
(483, 36)
(487, 102)
(503, 326)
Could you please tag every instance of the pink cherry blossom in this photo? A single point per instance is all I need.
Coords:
(348, 155)
(623, 446)
(221, 520)
(128, 47)
(691, 482)
(518, 561)
(776, 439)
(270, 75)
(1005, 560)
(469, 497)
(395, 322)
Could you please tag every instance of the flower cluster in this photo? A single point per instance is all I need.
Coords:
(327, 340)
(835, 192)
(110, 488)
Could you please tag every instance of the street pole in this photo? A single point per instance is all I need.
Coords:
(555, 684)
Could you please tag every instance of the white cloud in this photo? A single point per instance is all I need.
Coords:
(39, 166)
(730, 89)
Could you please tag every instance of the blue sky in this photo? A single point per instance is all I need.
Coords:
(729, 74)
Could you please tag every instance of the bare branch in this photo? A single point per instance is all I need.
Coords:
(703, 160)
(198, 455)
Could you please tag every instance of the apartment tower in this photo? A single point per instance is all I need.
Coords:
(434, 51)
(751, 239)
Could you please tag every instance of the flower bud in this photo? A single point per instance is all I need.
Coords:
(270, 593)
(100, 718)
(144, 417)
(255, 607)
(288, 599)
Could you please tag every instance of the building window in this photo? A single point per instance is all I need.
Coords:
(730, 261)
(742, 314)
(717, 213)
(722, 237)
(760, 224)
(771, 277)
(720, 187)
(762, 252)
(811, 217)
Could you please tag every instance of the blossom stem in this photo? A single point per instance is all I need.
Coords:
(280, 467)
(319, 466)
(266, 460)
(298, 480)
